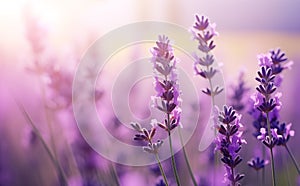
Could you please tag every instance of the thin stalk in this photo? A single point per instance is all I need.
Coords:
(59, 169)
(47, 115)
(232, 173)
(264, 169)
(186, 159)
(212, 95)
(114, 174)
(216, 156)
(173, 160)
(273, 168)
(284, 158)
(161, 169)
(171, 147)
(112, 171)
(257, 178)
(293, 158)
(271, 150)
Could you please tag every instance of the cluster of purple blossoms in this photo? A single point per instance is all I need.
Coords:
(267, 105)
(147, 136)
(229, 142)
(167, 100)
(266, 101)
(167, 97)
(204, 32)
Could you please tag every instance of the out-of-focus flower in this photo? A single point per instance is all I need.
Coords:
(239, 93)
(257, 163)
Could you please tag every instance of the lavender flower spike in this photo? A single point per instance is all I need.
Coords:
(229, 143)
(204, 32)
(167, 99)
(267, 105)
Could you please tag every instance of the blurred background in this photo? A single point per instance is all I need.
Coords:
(42, 43)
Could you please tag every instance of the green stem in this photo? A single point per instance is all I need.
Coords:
(212, 95)
(171, 147)
(232, 173)
(287, 172)
(257, 177)
(293, 158)
(173, 159)
(114, 174)
(161, 169)
(263, 169)
(186, 159)
(59, 169)
(47, 115)
(273, 167)
(271, 150)
(216, 156)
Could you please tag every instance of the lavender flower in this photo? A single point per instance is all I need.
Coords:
(167, 99)
(284, 133)
(267, 106)
(229, 142)
(277, 61)
(266, 88)
(204, 32)
(147, 136)
(263, 102)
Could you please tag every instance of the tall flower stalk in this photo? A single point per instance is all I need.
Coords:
(204, 32)
(167, 98)
(265, 90)
(187, 159)
(267, 105)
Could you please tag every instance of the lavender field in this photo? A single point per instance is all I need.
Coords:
(142, 93)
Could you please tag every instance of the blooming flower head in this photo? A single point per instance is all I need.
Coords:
(266, 101)
(162, 57)
(283, 132)
(239, 93)
(277, 61)
(167, 98)
(203, 31)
